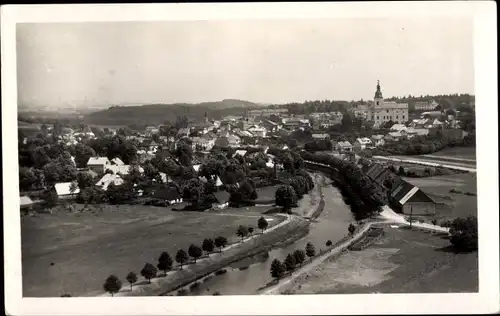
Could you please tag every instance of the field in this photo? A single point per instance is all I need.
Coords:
(458, 152)
(462, 205)
(402, 261)
(74, 252)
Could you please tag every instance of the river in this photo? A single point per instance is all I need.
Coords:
(330, 225)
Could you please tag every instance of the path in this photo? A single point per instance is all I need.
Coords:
(449, 165)
(450, 158)
(387, 216)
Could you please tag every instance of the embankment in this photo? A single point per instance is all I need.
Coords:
(292, 230)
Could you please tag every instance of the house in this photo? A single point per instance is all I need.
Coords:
(98, 164)
(378, 140)
(63, 190)
(218, 182)
(149, 145)
(25, 203)
(343, 146)
(398, 127)
(410, 200)
(320, 136)
(362, 143)
(202, 143)
(167, 194)
(257, 131)
(117, 161)
(122, 169)
(271, 126)
(107, 179)
(234, 141)
(395, 136)
(183, 132)
(242, 153)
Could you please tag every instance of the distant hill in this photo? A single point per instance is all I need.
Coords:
(160, 113)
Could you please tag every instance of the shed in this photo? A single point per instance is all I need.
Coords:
(411, 200)
(167, 194)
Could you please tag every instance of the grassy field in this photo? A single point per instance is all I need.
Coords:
(402, 261)
(461, 205)
(458, 152)
(75, 252)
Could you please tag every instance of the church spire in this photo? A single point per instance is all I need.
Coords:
(378, 93)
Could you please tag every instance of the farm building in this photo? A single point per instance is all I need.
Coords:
(410, 200)
(25, 203)
(63, 190)
(98, 164)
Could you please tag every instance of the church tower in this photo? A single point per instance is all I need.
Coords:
(378, 99)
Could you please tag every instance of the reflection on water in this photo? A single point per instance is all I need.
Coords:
(248, 275)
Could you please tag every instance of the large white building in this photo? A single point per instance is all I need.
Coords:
(381, 111)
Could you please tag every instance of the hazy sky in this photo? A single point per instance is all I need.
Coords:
(263, 61)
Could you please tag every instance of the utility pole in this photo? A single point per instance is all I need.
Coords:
(411, 214)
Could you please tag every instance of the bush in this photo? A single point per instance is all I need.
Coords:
(464, 233)
(220, 272)
(182, 292)
(194, 286)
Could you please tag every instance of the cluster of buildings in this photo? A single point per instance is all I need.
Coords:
(380, 111)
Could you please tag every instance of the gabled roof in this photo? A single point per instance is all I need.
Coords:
(377, 137)
(403, 191)
(344, 144)
(364, 140)
(62, 188)
(398, 127)
(107, 179)
(117, 161)
(240, 152)
(25, 201)
(98, 161)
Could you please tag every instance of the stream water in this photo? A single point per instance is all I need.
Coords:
(247, 276)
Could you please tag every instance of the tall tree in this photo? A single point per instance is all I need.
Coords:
(310, 250)
(165, 262)
(242, 232)
(286, 197)
(181, 257)
(220, 242)
(277, 269)
(290, 262)
(195, 252)
(149, 271)
(208, 245)
(112, 285)
(131, 278)
(262, 224)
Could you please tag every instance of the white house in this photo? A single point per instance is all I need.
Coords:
(398, 127)
(63, 190)
(362, 144)
(343, 146)
(117, 161)
(257, 131)
(378, 140)
(98, 164)
(107, 179)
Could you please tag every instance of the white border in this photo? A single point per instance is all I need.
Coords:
(486, 301)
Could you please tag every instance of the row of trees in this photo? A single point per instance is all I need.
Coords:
(113, 284)
(358, 191)
(292, 261)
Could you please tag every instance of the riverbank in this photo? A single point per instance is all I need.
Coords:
(399, 261)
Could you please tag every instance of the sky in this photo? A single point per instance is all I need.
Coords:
(269, 61)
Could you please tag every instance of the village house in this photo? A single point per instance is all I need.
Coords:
(271, 126)
(168, 194)
(257, 131)
(398, 127)
(98, 164)
(107, 179)
(425, 105)
(202, 143)
(320, 136)
(378, 140)
(396, 136)
(183, 132)
(149, 145)
(63, 190)
(410, 200)
(25, 203)
(343, 146)
(361, 144)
